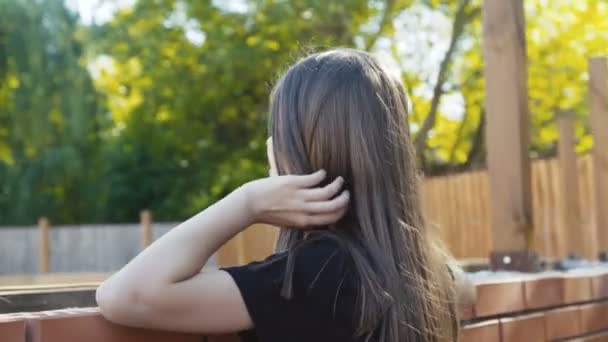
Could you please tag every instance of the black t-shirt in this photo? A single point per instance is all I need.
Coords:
(322, 307)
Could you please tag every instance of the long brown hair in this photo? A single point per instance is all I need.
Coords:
(341, 111)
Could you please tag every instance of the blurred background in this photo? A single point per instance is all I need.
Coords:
(108, 108)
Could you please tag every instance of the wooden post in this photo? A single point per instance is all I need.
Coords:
(145, 219)
(44, 245)
(506, 105)
(568, 173)
(598, 95)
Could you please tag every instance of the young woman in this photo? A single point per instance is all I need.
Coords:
(355, 260)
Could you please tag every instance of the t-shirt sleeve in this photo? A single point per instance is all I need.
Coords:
(322, 298)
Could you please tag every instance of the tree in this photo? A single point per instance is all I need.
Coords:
(165, 106)
(48, 115)
(195, 111)
(560, 36)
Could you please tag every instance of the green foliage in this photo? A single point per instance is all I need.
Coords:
(48, 115)
(173, 124)
(165, 106)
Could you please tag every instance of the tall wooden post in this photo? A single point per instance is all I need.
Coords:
(598, 94)
(506, 105)
(44, 245)
(568, 172)
(145, 219)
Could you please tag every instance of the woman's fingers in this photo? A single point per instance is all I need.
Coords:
(324, 193)
(310, 180)
(326, 207)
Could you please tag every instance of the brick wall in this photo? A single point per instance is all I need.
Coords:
(552, 307)
(84, 324)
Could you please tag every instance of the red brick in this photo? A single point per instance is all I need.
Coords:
(466, 311)
(529, 328)
(576, 288)
(498, 297)
(562, 323)
(599, 286)
(488, 331)
(593, 317)
(599, 337)
(11, 329)
(73, 325)
(542, 292)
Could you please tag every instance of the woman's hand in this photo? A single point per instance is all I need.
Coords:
(297, 201)
(177, 295)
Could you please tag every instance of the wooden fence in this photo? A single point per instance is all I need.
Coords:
(459, 207)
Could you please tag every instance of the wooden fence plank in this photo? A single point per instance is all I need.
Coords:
(569, 204)
(145, 219)
(560, 238)
(44, 249)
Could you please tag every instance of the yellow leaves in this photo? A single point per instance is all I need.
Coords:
(260, 17)
(473, 60)
(435, 3)
(272, 45)
(252, 40)
(121, 47)
(13, 82)
(5, 154)
(585, 144)
(561, 34)
(124, 85)
(134, 67)
(443, 137)
(169, 51)
(146, 82)
(269, 44)
(55, 117)
(548, 134)
(163, 115)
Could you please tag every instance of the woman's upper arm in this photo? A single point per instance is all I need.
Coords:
(209, 302)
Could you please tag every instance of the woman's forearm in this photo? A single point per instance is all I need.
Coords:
(182, 252)
(164, 288)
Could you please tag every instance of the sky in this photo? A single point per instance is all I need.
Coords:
(100, 11)
(97, 11)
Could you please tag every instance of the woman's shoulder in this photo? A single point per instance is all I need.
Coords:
(322, 248)
(323, 262)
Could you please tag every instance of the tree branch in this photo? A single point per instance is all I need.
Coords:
(457, 29)
(475, 155)
(459, 135)
(387, 18)
(472, 77)
(410, 95)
